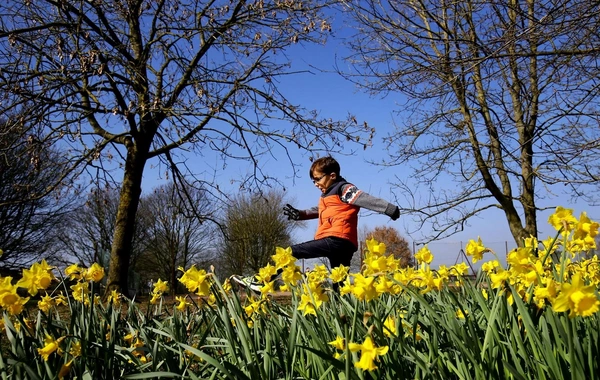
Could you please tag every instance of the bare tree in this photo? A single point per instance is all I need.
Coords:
(118, 83)
(254, 227)
(502, 102)
(178, 235)
(28, 223)
(89, 230)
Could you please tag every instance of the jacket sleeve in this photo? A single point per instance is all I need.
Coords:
(352, 195)
(311, 213)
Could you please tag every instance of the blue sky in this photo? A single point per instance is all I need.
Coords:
(335, 97)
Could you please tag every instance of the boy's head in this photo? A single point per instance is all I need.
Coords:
(324, 165)
(324, 172)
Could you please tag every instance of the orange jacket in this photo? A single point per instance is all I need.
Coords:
(337, 218)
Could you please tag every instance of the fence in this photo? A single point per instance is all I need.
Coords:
(451, 253)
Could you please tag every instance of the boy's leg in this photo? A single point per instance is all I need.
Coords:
(326, 247)
(342, 255)
(249, 282)
(338, 251)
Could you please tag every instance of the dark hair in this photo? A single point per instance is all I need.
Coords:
(325, 165)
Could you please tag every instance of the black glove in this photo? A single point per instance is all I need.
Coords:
(291, 212)
(396, 214)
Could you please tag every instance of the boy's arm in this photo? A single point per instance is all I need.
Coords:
(294, 214)
(352, 195)
(311, 213)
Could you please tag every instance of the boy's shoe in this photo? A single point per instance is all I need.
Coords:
(249, 282)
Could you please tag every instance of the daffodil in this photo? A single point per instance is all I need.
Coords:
(461, 269)
(498, 279)
(195, 281)
(338, 343)
(375, 264)
(266, 273)
(389, 327)
(563, 218)
(364, 288)
(74, 272)
(94, 273)
(375, 247)
(475, 249)
(585, 228)
(81, 292)
(268, 288)
(424, 255)
(318, 274)
(38, 277)
(46, 303)
(75, 349)
(51, 345)
(160, 286)
(460, 314)
(183, 304)
(490, 266)
(306, 305)
(369, 353)
(577, 297)
(283, 257)
(10, 300)
(155, 298)
(114, 297)
(65, 369)
(339, 274)
(291, 274)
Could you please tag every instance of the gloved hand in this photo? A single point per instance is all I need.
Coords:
(396, 214)
(291, 212)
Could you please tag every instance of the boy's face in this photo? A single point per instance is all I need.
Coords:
(322, 181)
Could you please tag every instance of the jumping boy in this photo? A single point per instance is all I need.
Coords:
(337, 233)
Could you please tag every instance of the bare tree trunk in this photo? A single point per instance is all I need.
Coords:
(131, 190)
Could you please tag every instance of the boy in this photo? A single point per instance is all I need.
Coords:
(337, 233)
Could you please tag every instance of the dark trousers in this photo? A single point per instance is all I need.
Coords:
(339, 251)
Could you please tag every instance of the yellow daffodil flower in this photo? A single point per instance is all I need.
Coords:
(265, 273)
(369, 353)
(338, 343)
(195, 281)
(160, 287)
(424, 255)
(339, 274)
(389, 327)
(94, 273)
(283, 257)
(38, 277)
(183, 304)
(51, 345)
(74, 272)
(65, 369)
(563, 218)
(585, 228)
(475, 249)
(306, 305)
(291, 274)
(364, 287)
(378, 249)
(577, 297)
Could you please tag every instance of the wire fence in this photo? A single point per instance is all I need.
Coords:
(451, 253)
